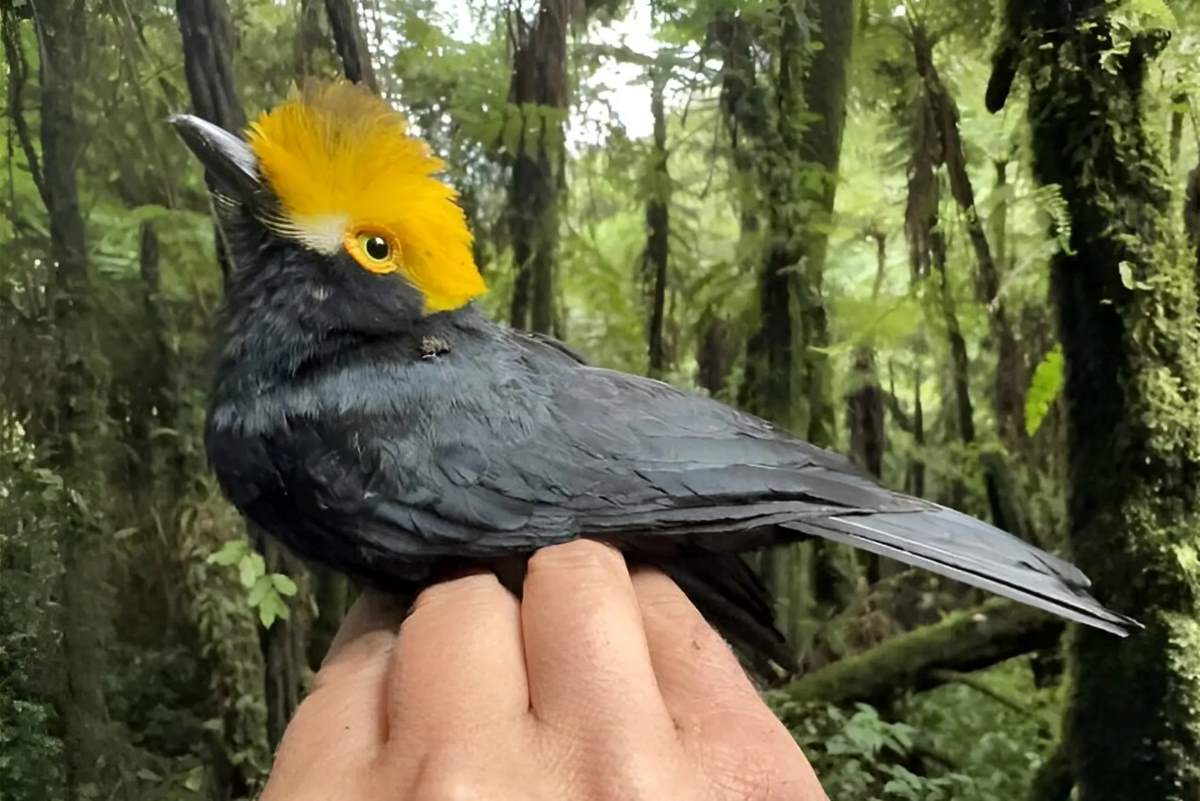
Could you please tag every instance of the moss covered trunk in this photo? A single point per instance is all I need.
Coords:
(68, 426)
(206, 32)
(1126, 303)
(825, 89)
(965, 641)
(786, 120)
(538, 92)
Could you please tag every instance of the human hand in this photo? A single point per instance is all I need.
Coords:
(598, 685)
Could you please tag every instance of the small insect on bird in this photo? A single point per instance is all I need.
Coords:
(368, 415)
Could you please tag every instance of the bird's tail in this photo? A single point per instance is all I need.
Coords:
(963, 548)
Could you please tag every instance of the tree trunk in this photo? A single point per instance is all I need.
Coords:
(1010, 378)
(309, 37)
(538, 94)
(864, 413)
(1053, 781)
(825, 89)
(916, 476)
(766, 382)
(716, 350)
(1191, 208)
(333, 595)
(350, 43)
(658, 229)
(935, 140)
(787, 375)
(1179, 105)
(205, 28)
(72, 427)
(864, 407)
(208, 66)
(864, 403)
(960, 379)
(153, 404)
(285, 643)
(1126, 300)
(791, 374)
(864, 419)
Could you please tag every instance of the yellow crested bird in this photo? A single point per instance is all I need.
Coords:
(367, 414)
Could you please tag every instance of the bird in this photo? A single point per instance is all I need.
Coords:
(366, 413)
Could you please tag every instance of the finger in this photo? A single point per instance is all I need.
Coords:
(342, 722)
(458, 662)
(731, 734)
(693, 664)
(372, 612)
(585, 651)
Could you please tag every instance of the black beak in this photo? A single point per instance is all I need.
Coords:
(229, 161)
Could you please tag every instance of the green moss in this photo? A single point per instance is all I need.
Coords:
(1126, 299)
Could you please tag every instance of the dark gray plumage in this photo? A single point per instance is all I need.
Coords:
(337, 430)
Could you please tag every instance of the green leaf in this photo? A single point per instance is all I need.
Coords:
(271, 609)
(250, 568)
(266, 615)
(259, 591)
(147, 775)
(1126, 270)
(194, 779)
(283, 584)
(1044, 388)
(229, 554)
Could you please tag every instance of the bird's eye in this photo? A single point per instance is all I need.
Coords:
(375, 246)
(374, 250)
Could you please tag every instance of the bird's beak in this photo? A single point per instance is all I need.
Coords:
(229, 160)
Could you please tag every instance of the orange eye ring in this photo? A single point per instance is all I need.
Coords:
(374, 251)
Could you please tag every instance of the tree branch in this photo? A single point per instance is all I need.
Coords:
(965, 641)
(668, 58)
(899, 416)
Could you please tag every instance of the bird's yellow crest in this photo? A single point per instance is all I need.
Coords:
(348, 175)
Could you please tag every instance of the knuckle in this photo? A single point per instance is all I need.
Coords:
(449, 774)
(606, 758)
(443, 787)
(642, 775)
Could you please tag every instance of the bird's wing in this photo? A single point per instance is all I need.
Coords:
(657, 461)
(532, 447)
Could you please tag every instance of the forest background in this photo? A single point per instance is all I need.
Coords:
(953, 240)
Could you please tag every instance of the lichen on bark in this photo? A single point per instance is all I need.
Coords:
(1126, 300)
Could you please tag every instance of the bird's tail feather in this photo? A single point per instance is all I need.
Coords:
(963, 548)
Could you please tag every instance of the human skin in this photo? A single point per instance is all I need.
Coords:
(600, 684)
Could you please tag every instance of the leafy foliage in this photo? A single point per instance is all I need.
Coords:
(266, 591)
(952, 743)
(33, 503)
